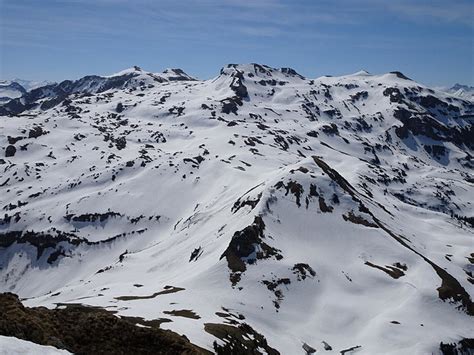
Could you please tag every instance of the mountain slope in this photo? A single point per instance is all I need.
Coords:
(256, 205)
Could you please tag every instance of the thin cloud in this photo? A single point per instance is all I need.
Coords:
(260, 31)
(452, 12)
(439, 11)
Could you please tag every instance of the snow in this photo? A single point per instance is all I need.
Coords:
(131, 70)
(347, 303)
(15, 346)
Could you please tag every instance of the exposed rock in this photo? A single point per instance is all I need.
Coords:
(87, 330)
(10, 151)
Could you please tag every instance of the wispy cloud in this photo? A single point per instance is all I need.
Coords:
(450, 12)
(260, 31)
(441, 11)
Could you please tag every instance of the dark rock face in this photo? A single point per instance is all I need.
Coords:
(36, 132)
(119, 108)
(302, 271)
(361, 95)
(400, 75)
(393, 271)
(92, 217)
(294, 187)
(238, 86)
(248, 202)
(87, 330)
(10, 151)
(48, 104)
(40, 240)
(178, 75)
(291, 72)
(241, 249)
(236, 339)
(231, 105)
(394, 94)
(464, 347)
(13, 140)
(431, 101)
(426, 125)
(435, 150)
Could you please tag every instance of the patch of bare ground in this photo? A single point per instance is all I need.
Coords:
(242, 249)
(167, 290)
(238, 339)
(153, 323)
(348, 350)
(351, 217)
(186, 313)
(393, 271)
(231, 318)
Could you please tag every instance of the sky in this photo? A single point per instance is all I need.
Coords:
(431, 41)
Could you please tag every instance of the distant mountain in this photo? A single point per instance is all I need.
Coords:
(462, 91)
(32, 84)
(54, 93)
(11, 89)
(259, 211)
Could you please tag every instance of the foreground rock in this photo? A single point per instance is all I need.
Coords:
(86, 330)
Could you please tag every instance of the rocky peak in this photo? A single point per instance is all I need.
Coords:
(400, 75)
(176, 74)
(259, 71)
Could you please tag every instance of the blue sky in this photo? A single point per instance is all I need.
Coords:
(431, 41)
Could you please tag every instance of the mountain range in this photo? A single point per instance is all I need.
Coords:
(255, 212)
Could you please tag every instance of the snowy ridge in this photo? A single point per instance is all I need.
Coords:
(329, 213)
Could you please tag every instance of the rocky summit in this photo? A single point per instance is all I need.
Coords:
(256, 212)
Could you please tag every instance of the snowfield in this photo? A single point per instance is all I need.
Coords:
(332, 213)
(14, 346)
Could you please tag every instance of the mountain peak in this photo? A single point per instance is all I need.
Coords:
(176, 74)
(262, 71)
(132, 70)
(458, 86)
(361, 72)
(400, 75)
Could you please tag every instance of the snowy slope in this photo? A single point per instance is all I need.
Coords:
(14, 346)
(334, 210)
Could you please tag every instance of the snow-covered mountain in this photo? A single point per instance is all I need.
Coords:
(12, 89)
(257, 211)
(32, 84)
(462, 91)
